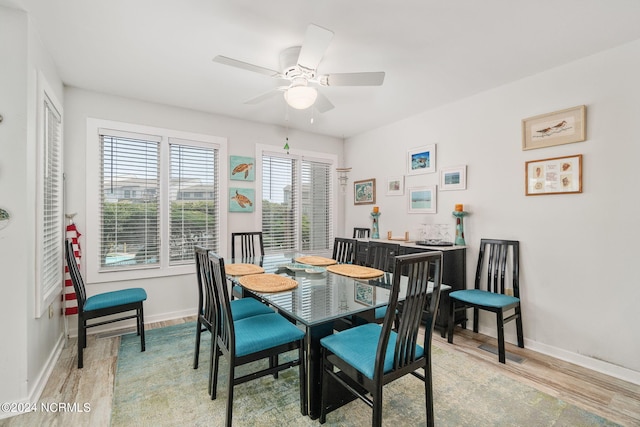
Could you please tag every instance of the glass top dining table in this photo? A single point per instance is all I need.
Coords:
(321, 296)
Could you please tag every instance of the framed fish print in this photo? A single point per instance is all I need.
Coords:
(421, 160)
(364, 192)
(242, 168)
(557, 128)
(241, 199)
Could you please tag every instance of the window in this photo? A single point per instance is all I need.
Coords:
(297, 202)
(50, 200)
(158, 197)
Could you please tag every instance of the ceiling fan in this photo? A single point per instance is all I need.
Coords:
(298, 66)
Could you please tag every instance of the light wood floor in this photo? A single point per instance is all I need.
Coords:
(611, 398)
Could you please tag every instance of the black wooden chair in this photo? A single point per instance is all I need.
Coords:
(249, 244)
(240, 308)
(369, 356)
(495, 259)
(245, 245)
(122, 302)
(381, 255)
(361, 233)
(344, 250)
(251, 339)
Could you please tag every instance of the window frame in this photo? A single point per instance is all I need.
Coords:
(330, 159)
(45, 296)
(93, 159)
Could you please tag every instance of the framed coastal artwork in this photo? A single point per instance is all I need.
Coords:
(364, 192)
(557, 175)
(242, 168)
(559, 127)
(241, 199)
(395, 185)
(453, 178)
(422, 199)
(421, 160)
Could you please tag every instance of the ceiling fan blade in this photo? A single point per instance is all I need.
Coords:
(266, 95)
(322, 103)
(316, 42)
(245, 66)
(352, 79)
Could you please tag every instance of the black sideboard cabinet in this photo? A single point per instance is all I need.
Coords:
(454, 274)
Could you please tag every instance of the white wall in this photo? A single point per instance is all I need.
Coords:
(174, 296)
(578, 279)
(29, 344)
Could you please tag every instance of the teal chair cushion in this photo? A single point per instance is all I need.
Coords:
(115, 298)
(264, 331)
(358, 347)
(247, 307)
(484, 298)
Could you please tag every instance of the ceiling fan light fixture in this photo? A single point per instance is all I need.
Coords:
(300, 97)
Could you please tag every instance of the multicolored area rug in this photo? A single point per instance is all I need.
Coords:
(160, 388)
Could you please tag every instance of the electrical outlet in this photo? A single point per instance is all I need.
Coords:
(509, 291)
(51, 311)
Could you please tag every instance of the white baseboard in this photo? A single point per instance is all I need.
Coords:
(600, 366)
(41, 381)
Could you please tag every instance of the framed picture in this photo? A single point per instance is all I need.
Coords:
(364, 192)
(453, 178)
(421, 160)
(242, 168)
(559, 127)
(241, 199)
(395, 185)
(364, 293)
(422, 199)
(558, 175)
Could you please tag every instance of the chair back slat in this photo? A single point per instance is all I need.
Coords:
(361, 233)
(344, 250)
(381, 255)
(500, 258)
(226, 332)
(76, 277)
(206, 291)
(421, 302)
(251, 244)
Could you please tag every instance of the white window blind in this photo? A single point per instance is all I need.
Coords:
(129, 211)
(51, 211)
(193, 194)
(297, 203)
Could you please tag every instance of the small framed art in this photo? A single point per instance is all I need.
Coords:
(364, 192)
(559, 127)
(422, 199)
(453, 178)
(395, 185)
(242, 168)
(558, 175)
(241, 199)
(421, 160)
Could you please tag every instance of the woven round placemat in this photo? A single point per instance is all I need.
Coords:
(267, 282)
(242, 269)
(316, 260)
(355, 271)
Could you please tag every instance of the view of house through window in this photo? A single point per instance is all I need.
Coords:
(133, 205)
(297, 211)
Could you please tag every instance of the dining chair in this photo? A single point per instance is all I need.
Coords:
(344, 250)
(365, 358)
(251, 339)
(121, 302)
(497, 260)
(361, 233)
(240, 308)
(249, 245)
(381, 255)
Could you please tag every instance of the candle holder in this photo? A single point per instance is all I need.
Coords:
(376, 230)
(460, 227)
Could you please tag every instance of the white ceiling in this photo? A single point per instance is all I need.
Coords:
(433, 52)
